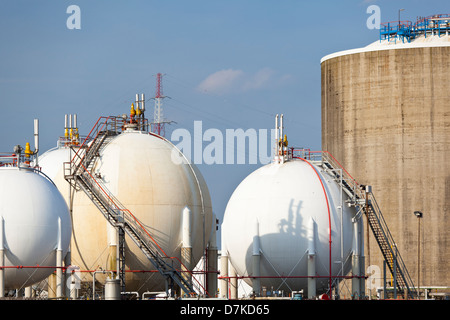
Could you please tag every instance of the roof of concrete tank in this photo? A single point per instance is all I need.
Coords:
(421, 42)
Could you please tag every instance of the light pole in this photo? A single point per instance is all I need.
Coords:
(399, 10)
(419, 215)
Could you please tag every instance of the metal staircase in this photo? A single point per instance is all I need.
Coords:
(78, 173)
(365, 200)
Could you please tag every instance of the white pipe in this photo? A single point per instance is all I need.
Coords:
(281, 126)
(357, 283)
(59, 261)
(186, 247)
(224, 273)
(277, 147)
(256, 261)
(2, 259)
(311, 234)
(281, 138)
(112, 238)
(36, 141)
(75, 121)
(311, 259)
(158, 294)
(233, 283)
(2, 222)
(28, 292)
(59, 235)
(142, 102)
(187, 233)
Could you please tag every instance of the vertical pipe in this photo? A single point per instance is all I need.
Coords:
(187, 235)
(59, 260)
(233, 283)
(70, 127)
(2, 259)
(224, 273)
(311, 260)
(362, 258)
(418, 260)
(28, 292)
(142, 102)
(256, 261)
(356, 267)
(211, 267)
(36, 141)
(66, 127)
(281, 138)
(394, 284)
(384, 280)
(186, 248)
(277, 145)
(112, 246)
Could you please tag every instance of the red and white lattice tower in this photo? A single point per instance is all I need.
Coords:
(158, 124)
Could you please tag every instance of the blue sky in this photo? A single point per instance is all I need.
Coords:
(231, 64)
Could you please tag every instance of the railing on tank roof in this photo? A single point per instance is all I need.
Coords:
(9, 159)
(20, 160)
(436, 24)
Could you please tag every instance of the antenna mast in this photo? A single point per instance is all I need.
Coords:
(158, 124)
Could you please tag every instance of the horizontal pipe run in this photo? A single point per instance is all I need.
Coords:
(64, 268)
(290, 277)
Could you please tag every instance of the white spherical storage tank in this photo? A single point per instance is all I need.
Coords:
(36, 223)
(284, 213)
(138, 169)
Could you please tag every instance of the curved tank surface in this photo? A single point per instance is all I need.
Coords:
(385, 117)
(32, 209)
(290, 207)
(137, 168)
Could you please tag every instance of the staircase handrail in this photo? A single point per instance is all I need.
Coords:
(401, 266)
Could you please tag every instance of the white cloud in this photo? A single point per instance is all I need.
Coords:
(230, 80)
(221, 81)
(259, 80)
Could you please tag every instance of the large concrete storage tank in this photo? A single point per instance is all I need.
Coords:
(386, 118)
(284, 222)
(138, 169)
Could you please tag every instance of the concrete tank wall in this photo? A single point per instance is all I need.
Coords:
(386, 118)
